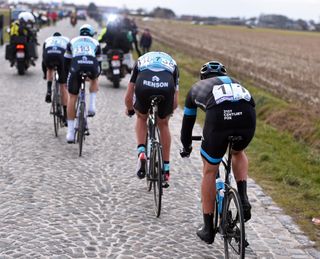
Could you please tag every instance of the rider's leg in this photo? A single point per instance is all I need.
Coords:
(165, 138)
(94, 88)
(240, 170)
(49, 85)
(208, 194)
(71, 111)
(64, 99)
(141, 134)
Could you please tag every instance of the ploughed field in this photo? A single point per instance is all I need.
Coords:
(286, 63)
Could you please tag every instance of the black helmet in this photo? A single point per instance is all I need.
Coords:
(56, 34)
(212, 68)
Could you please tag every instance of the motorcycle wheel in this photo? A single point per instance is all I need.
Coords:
(116, 82)
(21, 67)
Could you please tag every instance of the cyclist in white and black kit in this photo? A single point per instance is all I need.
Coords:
(83, 54)
(155, 73)
(230, 110)
(54, 48)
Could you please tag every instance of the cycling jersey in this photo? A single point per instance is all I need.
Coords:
(156, 61)
(56, 44)
(229, 111)
(54, 48)
(83, 46)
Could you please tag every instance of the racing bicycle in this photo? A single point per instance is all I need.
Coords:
(56, 107)
(228, 218)
(154, 166)
(81, 125)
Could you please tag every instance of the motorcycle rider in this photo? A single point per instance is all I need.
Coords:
(117, 36)
(22, 28)
(83, 54)
(54, 48)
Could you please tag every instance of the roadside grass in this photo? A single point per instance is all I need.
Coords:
(286, 168)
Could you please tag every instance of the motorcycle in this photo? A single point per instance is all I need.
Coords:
(22, 63)
(113, 67)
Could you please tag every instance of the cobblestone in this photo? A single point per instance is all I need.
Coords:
(54, 204)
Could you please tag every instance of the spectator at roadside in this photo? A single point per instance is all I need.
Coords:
(146, 41)
(1, 29)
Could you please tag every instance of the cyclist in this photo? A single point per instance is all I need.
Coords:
(54, 48)
(155, 73)
(83, 54)
(229, 109)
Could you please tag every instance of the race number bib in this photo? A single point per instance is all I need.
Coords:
(230, 92)
(82, 50)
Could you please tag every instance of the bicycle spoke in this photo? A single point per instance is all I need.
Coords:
(157, 177)
(233, 224)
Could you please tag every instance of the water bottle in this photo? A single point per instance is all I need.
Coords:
(220, 193)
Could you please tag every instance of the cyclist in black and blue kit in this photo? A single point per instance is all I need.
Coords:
(83, 54)
(155, 73)
(54, 48)
(230, 110)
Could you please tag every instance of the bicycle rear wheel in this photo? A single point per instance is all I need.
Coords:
(81, 127)
(148, 171)
(233, 225)
(55, 109)
(156, 175)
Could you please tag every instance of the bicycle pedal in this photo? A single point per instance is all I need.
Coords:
(87, 133)
(246, 243)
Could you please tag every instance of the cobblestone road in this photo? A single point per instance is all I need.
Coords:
(54, 204)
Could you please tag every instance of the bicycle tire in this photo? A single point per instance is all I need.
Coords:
(148, 174)
(81, 127)
(233, 225)
(157, 177)
(55, 110)
(216, 217)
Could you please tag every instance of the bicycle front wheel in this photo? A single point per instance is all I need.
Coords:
(156, 175)
(233, 225)
(55, 110)
(81, 125)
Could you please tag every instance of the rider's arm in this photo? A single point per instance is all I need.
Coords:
(67, 58)
(176, 82)
(99, 56)
(189, 118)
(130, 89)
(101, 37)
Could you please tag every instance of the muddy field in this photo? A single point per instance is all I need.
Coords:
(285, 63)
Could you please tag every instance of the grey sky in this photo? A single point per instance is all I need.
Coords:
(305, 9)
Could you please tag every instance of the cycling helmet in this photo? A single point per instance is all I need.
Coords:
(56, 34)
(26, 17)
(87, 30)
(212, 68)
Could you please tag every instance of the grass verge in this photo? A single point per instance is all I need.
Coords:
(285, 167)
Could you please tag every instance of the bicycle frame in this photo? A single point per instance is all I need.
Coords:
(81, 125)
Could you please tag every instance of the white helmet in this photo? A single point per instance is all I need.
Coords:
(26, 17)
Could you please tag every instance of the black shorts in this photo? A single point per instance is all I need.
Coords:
(56, 60)
(87, 64)
(223, 120)
(150, 83)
